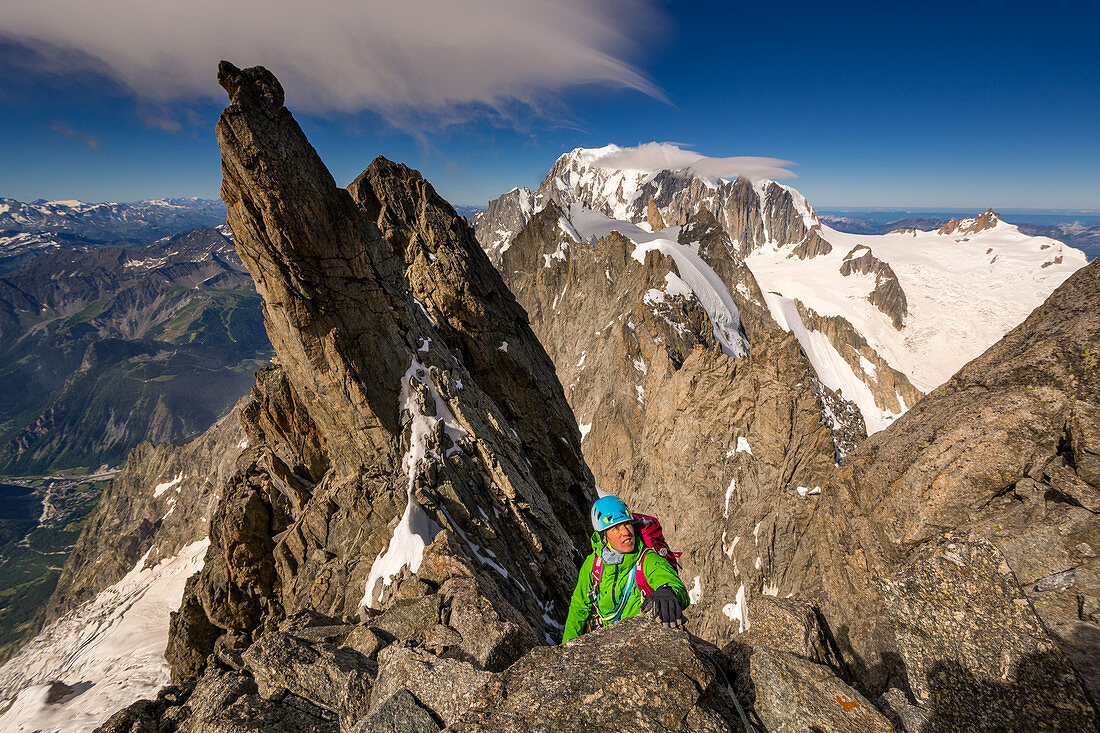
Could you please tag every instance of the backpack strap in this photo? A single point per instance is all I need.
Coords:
(639, 576)
(597, 571)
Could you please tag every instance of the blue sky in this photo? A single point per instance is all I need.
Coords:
(959, 105)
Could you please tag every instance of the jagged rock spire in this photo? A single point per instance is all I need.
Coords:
(411, 397)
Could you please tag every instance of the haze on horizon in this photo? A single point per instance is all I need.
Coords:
(935, 106)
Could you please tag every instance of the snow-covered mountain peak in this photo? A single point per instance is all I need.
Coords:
(901, 312)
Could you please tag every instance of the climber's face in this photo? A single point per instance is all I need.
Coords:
(621, 537)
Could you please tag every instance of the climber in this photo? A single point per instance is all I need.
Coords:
(623, 576)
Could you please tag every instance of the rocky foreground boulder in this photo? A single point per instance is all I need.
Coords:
(313, 674)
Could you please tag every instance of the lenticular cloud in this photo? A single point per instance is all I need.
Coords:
(668, 156)
(423, 56)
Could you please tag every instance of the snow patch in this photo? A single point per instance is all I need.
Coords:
(415, 529)
(115, 642)
(695, 592)
(161, 488)
(738, 611)
(743, 445)
(729, 493)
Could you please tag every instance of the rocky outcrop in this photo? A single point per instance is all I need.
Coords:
(888, 295)
(892, 390)
(498, 224)
(812, 246)
(636, 671)
(658, 679)
(653, 216)
(976, 655)
(795, 694)
(991, 453)
(411, 397)
(973, 225)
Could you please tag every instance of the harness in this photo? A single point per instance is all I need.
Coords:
(637, 577)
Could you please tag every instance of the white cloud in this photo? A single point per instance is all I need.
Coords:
(419, 56)
(669, 156)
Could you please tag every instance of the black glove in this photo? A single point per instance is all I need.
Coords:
(666, 607)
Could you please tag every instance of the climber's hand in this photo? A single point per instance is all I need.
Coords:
(665, 606)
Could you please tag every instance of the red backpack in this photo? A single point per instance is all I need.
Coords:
(649, 528)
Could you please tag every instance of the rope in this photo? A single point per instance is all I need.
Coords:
(748, 726)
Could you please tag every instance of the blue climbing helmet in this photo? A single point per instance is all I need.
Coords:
(607, 511)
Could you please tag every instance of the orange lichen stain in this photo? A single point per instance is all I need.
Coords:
(845, 704)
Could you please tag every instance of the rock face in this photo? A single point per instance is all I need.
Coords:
(1002, 451)
(726, 451)
(412, 397)
(976, 655)
(498, 224)
(636, 673)
(962, 227)
(887, 296)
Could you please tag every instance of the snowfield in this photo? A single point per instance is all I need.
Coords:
(964, 292)
(110, 651)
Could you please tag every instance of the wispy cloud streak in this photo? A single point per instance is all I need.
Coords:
(669, 156)
(395, 58)
(70, 134)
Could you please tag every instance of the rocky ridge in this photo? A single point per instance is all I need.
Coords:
(973, 225)
(407, 374)
(887, 295)
(1002, 452)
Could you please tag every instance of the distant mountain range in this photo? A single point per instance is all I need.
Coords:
(42, 226)
(869, 308)
(102, 349)
(1076, 234)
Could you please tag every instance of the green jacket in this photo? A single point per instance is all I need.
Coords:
(656, 569)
